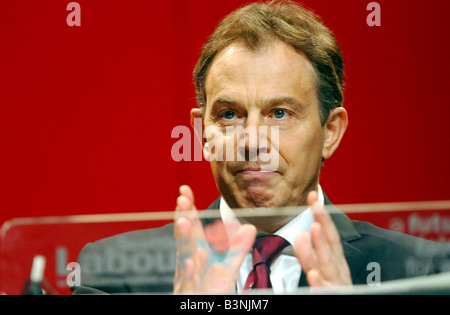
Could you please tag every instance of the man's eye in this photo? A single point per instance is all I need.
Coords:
(279, 113)
(229, 114)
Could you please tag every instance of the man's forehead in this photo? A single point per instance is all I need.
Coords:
(273, 71)
(238, 52)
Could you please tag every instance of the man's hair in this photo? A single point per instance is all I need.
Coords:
(259, 24)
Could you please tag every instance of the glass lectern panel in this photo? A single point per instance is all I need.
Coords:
(136, 252)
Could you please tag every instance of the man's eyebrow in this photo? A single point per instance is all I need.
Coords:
(271, 102)
(225, 100)
(283, 100)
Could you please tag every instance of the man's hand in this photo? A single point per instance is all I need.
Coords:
(320, 251)
(207, 261)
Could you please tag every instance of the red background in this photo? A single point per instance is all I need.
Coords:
(86, 113)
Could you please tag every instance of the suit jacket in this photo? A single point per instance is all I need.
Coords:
(144, 261)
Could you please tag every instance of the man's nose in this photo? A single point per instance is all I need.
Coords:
(254, 138)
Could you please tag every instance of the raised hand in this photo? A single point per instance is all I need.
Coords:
(208, 259)
(320, 251)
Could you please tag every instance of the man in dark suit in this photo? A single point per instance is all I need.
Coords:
(276, 70)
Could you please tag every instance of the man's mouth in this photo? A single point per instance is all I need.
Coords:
(254, 171)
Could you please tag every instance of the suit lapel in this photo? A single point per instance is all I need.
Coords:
(215, 205)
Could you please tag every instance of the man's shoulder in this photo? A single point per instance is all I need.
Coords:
(395, 238)
(130, 241)
(131, 262)
(367, 232)
(138, 236)
(398, 254)
(401, 253)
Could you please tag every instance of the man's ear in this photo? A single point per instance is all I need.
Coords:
(334, 130)
(196, 119)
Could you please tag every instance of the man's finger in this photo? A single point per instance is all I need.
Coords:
(186, 191)
(312, 198)
(186, 208)
(304, 252)
(329, 229)
(322, 217)
(326, 261)
(241, 244)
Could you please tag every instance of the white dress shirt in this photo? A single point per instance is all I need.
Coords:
(285, 270)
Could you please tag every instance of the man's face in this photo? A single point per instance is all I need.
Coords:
(272, 87)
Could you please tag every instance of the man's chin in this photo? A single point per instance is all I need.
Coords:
(259, 202)
(258, 198)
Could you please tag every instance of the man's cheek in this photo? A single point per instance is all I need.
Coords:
(214, 146)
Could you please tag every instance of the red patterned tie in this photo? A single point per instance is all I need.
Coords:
(265, 251)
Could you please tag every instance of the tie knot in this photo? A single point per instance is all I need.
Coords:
(267, 249)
